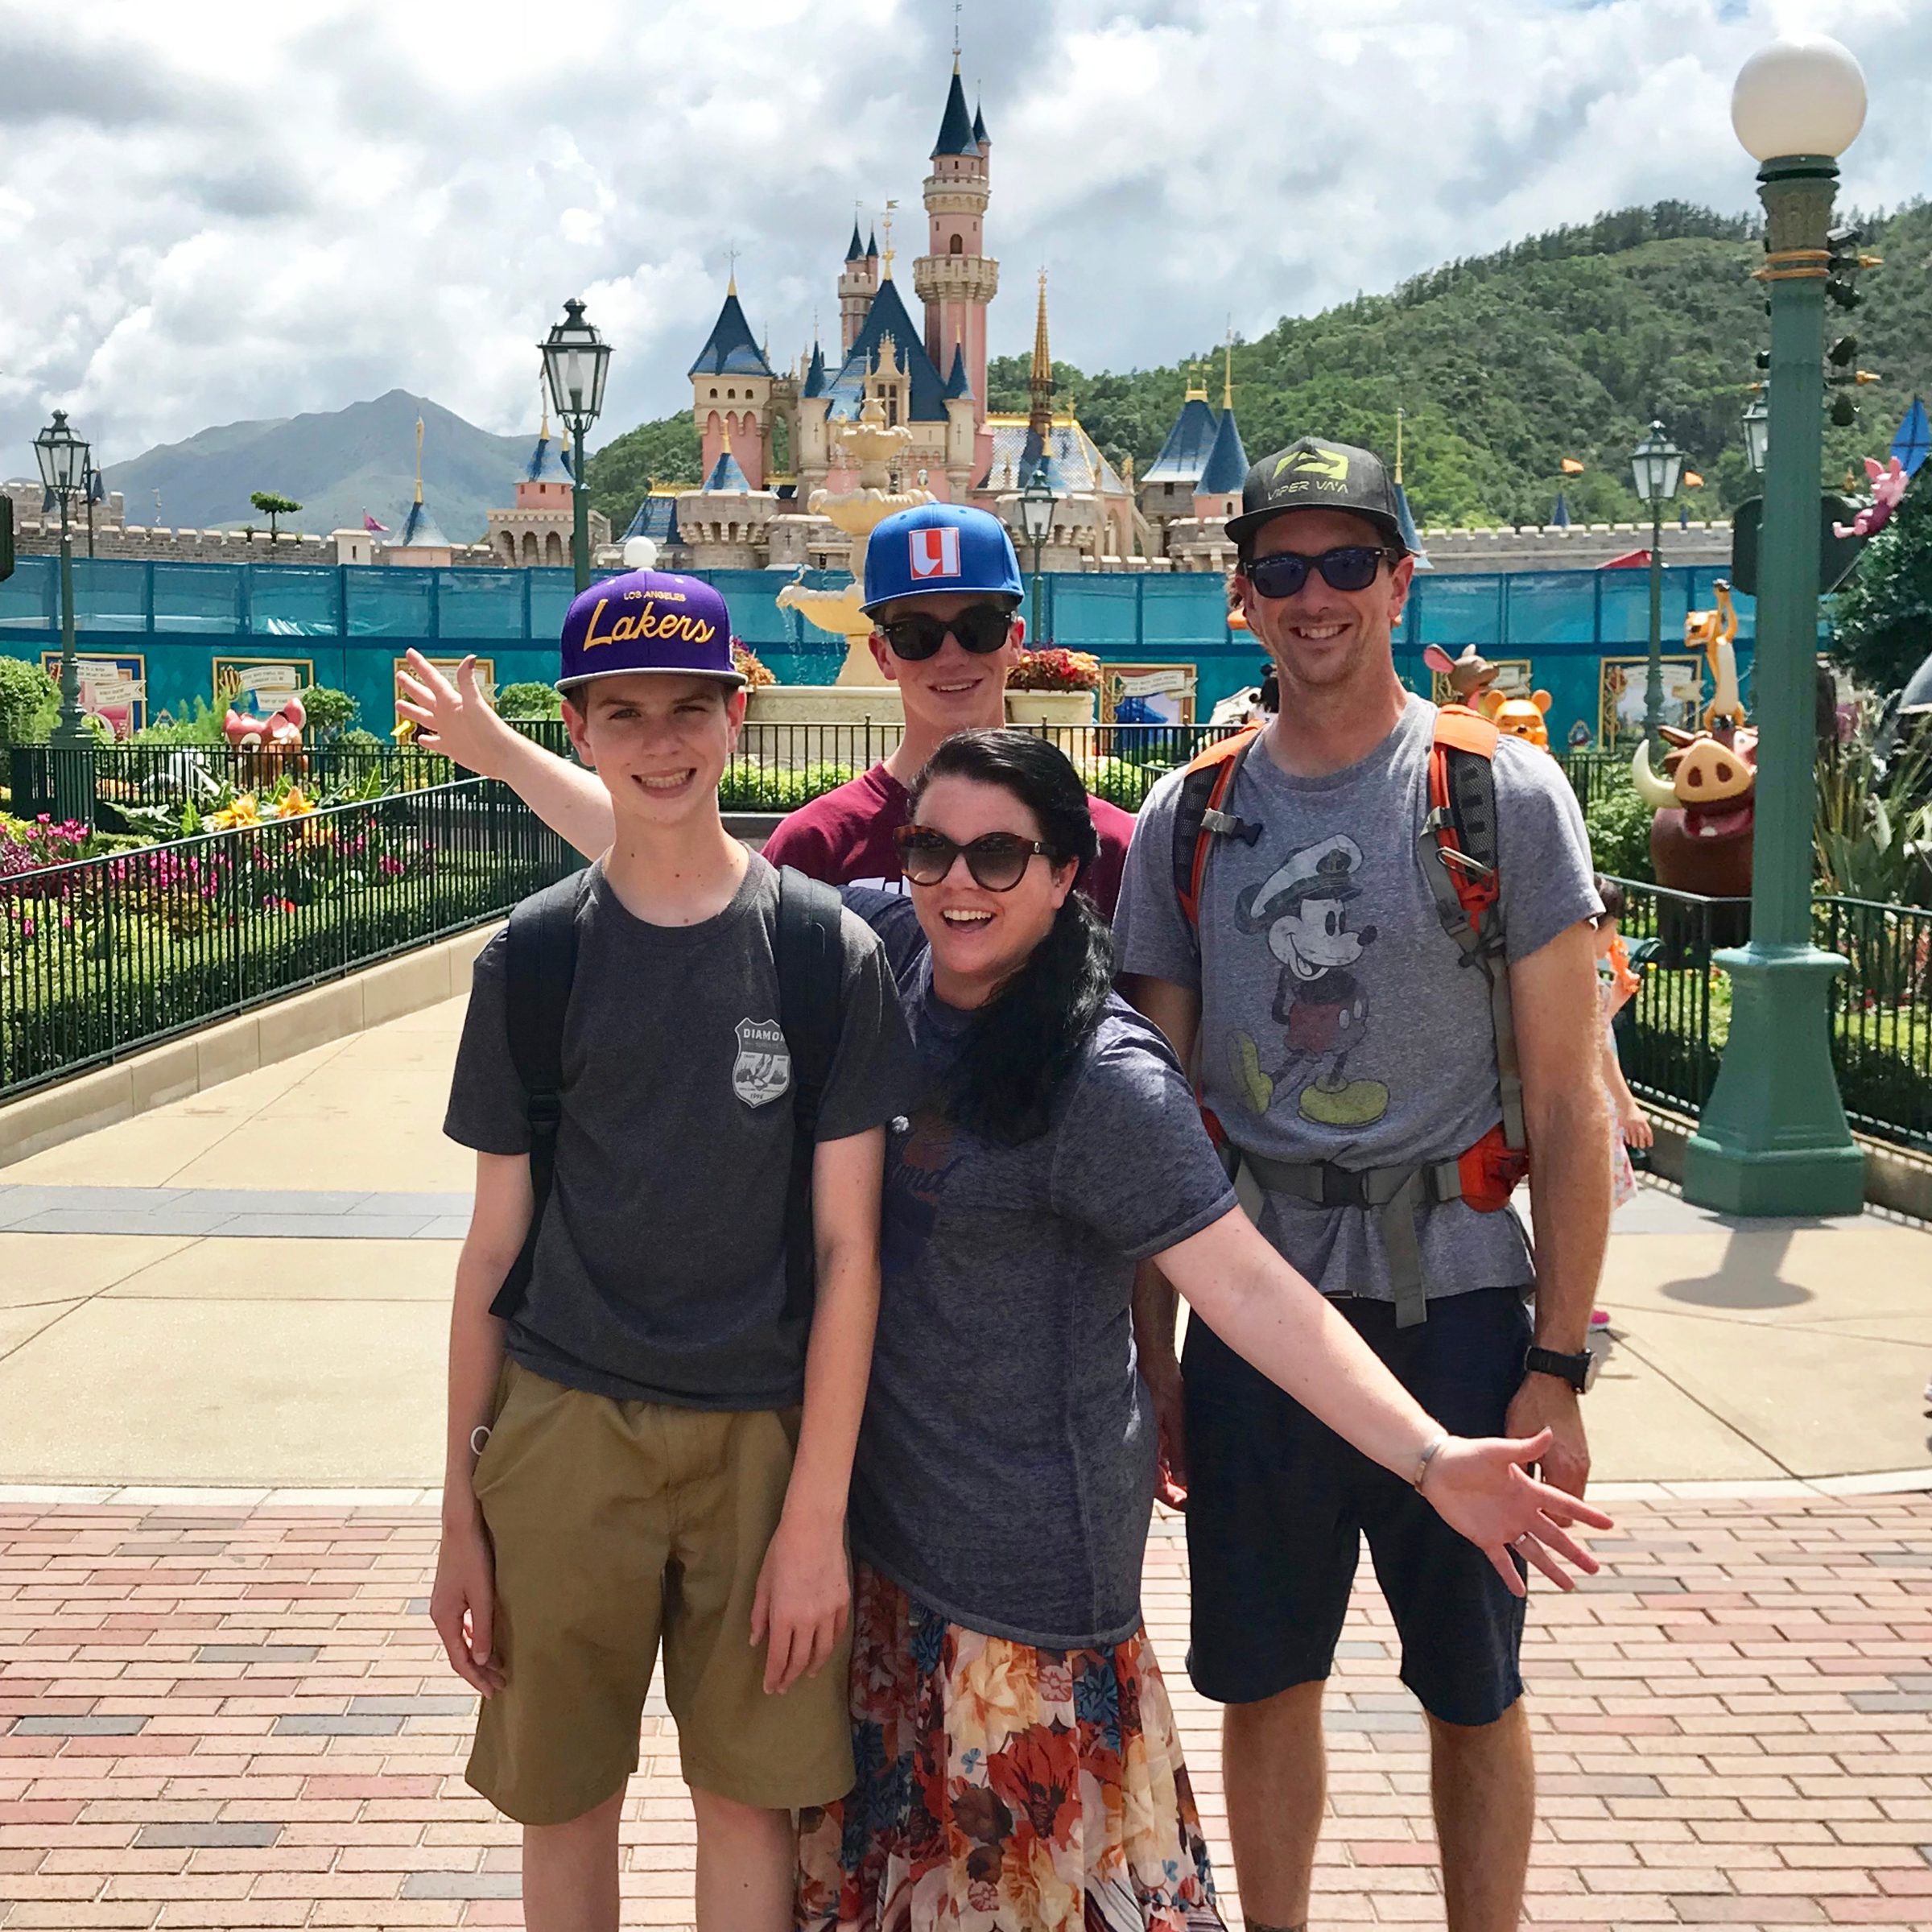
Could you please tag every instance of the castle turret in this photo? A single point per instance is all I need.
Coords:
(731, 383)
(724, 526)
(858, 283)
(1217, 490)
(956, 279)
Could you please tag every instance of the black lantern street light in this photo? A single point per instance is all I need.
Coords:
(1757, 433)
(1656, 464)
(575, 361)
(65, 467)
(1036, 503)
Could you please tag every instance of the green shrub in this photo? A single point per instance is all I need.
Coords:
(529, 700)
(328, 713)
(30, 702)
(200, 724)
(1619, 824)
(759, 788)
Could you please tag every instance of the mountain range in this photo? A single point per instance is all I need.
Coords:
(337, 463)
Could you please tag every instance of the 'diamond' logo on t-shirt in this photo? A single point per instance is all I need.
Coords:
(762, 1071)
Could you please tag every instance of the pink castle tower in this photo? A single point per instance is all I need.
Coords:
(957, 280)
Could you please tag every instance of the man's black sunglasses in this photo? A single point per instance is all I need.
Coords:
(996, 860)
(1352, 567)
(980, 627)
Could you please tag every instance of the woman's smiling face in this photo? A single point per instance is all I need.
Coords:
(981, 939)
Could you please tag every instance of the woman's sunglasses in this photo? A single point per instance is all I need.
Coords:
(1351, 567)
(996, 860)
(981, 629)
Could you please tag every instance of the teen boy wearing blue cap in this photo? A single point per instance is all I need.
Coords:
(943, 587)
(654, 1445)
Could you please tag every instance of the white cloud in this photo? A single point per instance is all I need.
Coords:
(285, 210)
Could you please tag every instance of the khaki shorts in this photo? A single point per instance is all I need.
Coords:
(616, 1525)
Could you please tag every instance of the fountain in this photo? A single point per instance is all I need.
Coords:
(871, 447)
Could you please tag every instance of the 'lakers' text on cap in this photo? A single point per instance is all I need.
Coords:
(647, 620)
(1315, 474)
(937, 547)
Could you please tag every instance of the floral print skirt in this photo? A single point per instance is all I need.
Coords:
(1003, 1788)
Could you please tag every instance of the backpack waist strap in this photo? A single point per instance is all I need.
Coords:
(1482, 1176)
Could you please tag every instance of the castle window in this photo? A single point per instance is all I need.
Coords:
(956, 246)
(731, 395)
(714, 395)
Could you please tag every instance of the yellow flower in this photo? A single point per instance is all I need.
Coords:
(244, 811)
(294, 804)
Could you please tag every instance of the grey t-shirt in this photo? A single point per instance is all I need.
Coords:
(1337, 1021)
(1006, 1470)
(660, 1265)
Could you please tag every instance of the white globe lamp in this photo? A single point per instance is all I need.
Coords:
(640, 553)
(1802, 95)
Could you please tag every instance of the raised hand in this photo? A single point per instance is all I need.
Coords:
(1484, 1488)
(455, 719)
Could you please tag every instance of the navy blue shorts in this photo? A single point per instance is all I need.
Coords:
(1278, 1503)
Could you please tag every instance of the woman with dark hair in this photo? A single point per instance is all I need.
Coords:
(1018, 1764)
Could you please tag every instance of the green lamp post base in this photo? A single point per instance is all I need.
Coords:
(1773, 1139)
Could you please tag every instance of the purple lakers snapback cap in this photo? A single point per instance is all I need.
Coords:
(647, 620)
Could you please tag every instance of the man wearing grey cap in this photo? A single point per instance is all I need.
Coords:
(1300, 935)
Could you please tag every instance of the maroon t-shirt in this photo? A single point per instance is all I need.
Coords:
(845, 838)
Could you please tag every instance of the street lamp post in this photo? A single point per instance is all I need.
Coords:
(65, 464)
(575, 361)
(1036, 504)
(1656, 464)
(1774, 1138)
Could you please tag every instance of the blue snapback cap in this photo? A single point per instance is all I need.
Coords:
(935, 547)
(647, 620)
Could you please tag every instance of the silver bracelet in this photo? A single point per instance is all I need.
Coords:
(479, 1435)
(1430, 1450)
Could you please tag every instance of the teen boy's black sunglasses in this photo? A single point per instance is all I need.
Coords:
(996, 860)
(980, 627)
(1351, 567)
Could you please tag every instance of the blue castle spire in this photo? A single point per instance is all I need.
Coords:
(956, 136)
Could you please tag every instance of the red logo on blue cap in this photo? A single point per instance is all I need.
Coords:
(936, 551)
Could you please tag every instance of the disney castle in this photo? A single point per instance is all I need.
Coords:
(769, 438)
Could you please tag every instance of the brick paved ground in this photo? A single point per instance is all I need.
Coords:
(216, 1717)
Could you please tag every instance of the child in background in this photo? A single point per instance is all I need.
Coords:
(1617, 984)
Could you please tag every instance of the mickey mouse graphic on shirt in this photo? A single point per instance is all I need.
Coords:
(1303, 909)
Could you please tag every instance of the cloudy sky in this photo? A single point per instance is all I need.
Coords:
(227, 211)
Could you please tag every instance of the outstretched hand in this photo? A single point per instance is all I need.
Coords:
(1484, 1488)
(455, 719)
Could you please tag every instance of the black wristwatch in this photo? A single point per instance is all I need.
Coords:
(1578, 1371)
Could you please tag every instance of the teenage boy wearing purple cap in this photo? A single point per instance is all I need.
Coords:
(943, 587)
(653, 1446)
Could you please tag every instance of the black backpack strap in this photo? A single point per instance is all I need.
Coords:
(811, 985)
(1199, 820)
(540, 960)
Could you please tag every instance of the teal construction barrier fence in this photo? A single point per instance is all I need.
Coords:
(176, 630)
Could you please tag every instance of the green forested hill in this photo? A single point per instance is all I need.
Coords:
(1564, 344)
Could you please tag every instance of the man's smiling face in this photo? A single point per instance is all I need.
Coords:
(1322, 637)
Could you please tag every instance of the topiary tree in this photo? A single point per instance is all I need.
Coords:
(273, 506)
(30, 702)
(1883, 616)
(328, 712)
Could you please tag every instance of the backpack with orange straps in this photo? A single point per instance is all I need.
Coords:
(1457, 847)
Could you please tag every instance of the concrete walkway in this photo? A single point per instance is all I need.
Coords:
(248, 1288)
(221, 1334)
